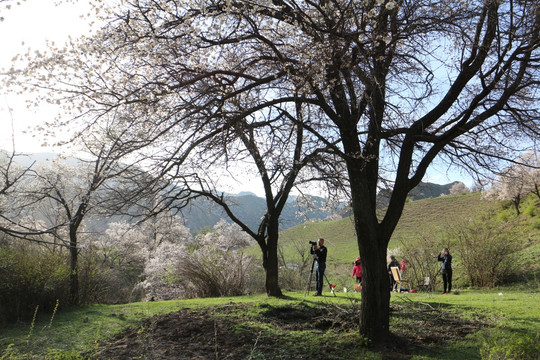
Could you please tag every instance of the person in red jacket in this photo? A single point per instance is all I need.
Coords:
(403, 267)
(357, 270)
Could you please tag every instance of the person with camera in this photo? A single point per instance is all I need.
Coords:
(446, 259)
(319, 250)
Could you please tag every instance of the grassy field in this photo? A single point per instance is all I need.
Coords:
(430, 218)
(432, 326)
(500, 323)
(427, 216)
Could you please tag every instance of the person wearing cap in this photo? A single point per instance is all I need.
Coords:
(357, 270)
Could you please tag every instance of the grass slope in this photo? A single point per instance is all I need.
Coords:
(422, 216)
(423, 325)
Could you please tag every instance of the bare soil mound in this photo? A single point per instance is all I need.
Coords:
(298, 331)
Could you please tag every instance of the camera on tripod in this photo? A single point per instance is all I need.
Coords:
(313, 243)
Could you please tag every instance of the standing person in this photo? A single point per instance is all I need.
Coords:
(357, 270)
(393, 263)
(320, 251)
(403, 267)
(446, 259)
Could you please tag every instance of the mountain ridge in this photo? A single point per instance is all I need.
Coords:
(249, 208)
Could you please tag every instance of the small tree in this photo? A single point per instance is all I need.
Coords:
(516, 181)
(71, 192)
(421, 252)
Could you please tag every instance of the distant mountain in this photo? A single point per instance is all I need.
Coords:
(203, 213)
(422, 191)
(250, 208)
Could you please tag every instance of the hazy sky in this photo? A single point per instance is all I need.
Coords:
(29, 25)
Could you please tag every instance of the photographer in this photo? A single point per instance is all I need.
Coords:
(319, 250)
(446, 259)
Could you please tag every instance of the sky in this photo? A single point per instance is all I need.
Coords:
(30, 24)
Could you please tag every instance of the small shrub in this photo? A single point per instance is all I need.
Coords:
(505, 204)
(536, 225)
(503, 216)
(30, 276)
(421, 254)
(210, 273)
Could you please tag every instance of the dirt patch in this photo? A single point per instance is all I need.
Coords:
(181, 335)
(263, 331)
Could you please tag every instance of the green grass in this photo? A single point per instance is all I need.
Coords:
(428, 216)
(513, 316)
(508, 313)
(80, 329)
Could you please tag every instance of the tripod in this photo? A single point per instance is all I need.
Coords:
(311, 276)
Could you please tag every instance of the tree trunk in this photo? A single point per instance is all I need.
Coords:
(372, 241)
(74, 274)
(375, 306)
(271, 264)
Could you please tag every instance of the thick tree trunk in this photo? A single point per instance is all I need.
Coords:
(375, 306)
(372, 244)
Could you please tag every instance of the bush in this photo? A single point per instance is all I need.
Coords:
(107, 279)
(531, 210)
(210, 273)
(503, 216)
(422, 256)
(30, 276)
(486, 249)
(535, 225)
(294, 265)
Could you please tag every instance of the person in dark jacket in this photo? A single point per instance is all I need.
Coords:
(393, 263)
(446, 259)
(320, 251)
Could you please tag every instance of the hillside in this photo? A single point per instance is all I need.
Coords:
(426, 216)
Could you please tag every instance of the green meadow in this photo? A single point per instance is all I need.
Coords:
(472, 323)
